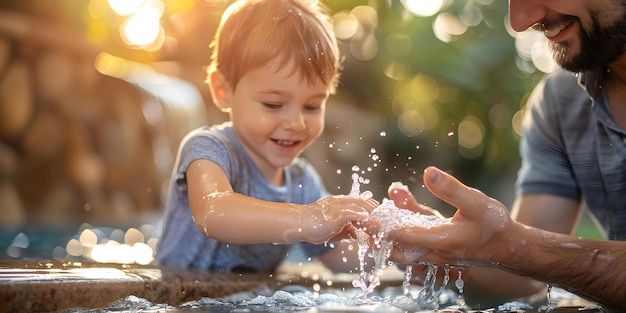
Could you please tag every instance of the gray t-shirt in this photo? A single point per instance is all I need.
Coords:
(182, 244)
(572, 147)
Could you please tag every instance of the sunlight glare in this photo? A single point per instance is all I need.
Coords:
(143, 27)
(423, 7)
(125, 7)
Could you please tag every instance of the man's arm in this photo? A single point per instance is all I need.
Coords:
(593, 269)
(547, 212)
(487, 284)
(482, 233)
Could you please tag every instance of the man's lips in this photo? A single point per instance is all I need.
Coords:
(550, 33)
(554, 32)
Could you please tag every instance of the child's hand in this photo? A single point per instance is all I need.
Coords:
(322, 220)
(404, 199)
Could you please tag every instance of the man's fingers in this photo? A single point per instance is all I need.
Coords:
(421, 236)
(447, 188)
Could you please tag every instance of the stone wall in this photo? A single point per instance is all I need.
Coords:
(75, 145)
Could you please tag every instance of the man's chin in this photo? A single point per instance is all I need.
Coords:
(570, 66)
(567, 59)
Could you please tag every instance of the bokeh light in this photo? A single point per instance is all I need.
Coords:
(471, 132)
(447, 25)
(143, 27)
(132, 246)
(423, 7)
(532, 46)
(125, 7)
(345, 25)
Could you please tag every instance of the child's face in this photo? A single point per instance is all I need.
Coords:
(276, 115)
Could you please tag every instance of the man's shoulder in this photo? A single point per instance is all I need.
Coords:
(562, 80)
(561, 89)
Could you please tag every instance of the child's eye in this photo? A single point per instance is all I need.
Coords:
(272, 105)
(312, 107)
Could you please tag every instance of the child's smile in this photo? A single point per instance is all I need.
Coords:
(276, 115)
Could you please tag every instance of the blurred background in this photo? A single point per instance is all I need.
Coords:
(95, 96)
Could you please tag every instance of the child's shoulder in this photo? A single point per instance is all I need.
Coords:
(220, 132)
(301, 167)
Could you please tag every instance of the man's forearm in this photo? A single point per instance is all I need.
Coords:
(593, 269)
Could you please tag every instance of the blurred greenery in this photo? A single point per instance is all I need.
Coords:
(476, 74)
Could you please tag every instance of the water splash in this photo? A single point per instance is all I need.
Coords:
(550, 305)
(428, 298)
(390, 218)
(460, 284)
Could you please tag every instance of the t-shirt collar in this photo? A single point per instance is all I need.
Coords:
(591, 81)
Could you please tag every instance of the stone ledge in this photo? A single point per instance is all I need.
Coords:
(46, 286)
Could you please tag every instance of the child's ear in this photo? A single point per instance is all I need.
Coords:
(220, 91)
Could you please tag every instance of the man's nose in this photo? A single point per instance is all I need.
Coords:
(525, 13)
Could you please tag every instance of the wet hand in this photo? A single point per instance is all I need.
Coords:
(473, 236)
(332, 218)
(404, 199)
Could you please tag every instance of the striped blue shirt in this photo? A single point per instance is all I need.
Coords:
(571, 147)
(182, 244)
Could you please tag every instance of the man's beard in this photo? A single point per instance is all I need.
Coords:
(598, 47)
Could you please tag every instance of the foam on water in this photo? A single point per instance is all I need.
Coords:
(288, 299)
(294, 298)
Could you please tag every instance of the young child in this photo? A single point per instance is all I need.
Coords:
(240, 194)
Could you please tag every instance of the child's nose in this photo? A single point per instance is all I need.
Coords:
(294, 120)
(525, 13)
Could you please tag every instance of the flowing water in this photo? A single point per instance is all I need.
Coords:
(302, 299)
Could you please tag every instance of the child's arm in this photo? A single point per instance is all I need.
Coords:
(230, 217)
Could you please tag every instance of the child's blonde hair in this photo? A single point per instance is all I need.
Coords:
(255, 32)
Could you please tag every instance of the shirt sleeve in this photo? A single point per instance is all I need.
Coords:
(545, 165)
(204, 144)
